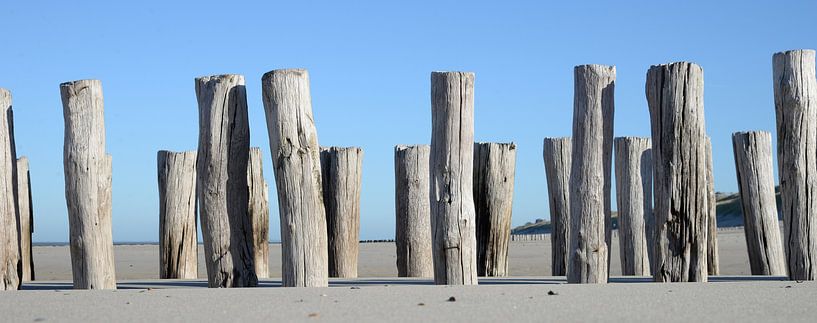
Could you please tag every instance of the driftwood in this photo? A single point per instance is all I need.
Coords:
(795, 101)
(634, 201)
(412, 211)
(9, 250)
(177, 215)
(223, 153)
(753, 163)
(675, 98)
(258, 212)
(557, 155)
(712, 258)
(341, 169)
(88, 185)
(296, 160)
(453, 224)
(25, 218)
(588, 253)
(494, 169)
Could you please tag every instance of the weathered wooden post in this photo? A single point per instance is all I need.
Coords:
(88, 185)
(9, 251)
(412, 211)
(453, 224)
(25, 217)
(712, 259)
(258, 212)
(588, 253)
(221, 170)
(675, 98)
(795, 101)
(341, 170)
(494, 170)
(634, 200)
(753, 163)
(296, 160)
(608, 113)
(557, 155)
(177, 215)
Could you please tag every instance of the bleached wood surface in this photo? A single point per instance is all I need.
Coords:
(341, 169)
(634, 203)
(494, 170)
(9, 251)
(258, 212)
(25, 218)
(177, 215)
(412, 211)
(712, 258)
(557, 154)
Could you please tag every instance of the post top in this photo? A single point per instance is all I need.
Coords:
(219, 77)
(87, 82)
(408, 147)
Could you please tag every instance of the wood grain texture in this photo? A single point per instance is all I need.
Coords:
(557, 154)
(221, 171)
(494, 172)
(341, 169)
(9, 249)
(675, 98)
(178, 248)
(88, 185)
(258, 212)
(588, 253)
(25, 219)
(412, 211)
(755, 173)
(795, 101)
(453, 224)
(634, 203)
(712, 258)
(296, 160)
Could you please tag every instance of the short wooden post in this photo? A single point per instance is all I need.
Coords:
(88, 185)
(753, 163)
(258, 212)
(221, 170)
(795, 101)
(9, 251)
(26, 218)
(556, 153)
(341, 170)
(296, 160)
(634, 201)
(453, 224)
(494, 169)
(412, 211)
(177, 215)
(588, 253)
(675, 98)
(712, 258)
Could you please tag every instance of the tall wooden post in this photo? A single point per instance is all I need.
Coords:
(453, 224)
(224, 144)
(178, 248)
(608, 113)
(341, 169)
(494, 169)
(753, 163)
(412, 211)
(675, 98)
(258, 212)
(9, 250)
(556, 152)
(25, 217)
(588, 253)
(88, 185)
(795, 101)
(296, 160)
(634, 200)
(712, 258)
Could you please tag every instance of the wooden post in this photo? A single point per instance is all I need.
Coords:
(675, 98)
(224, 144)
(795, 101)
(494, 169)
(296, 160)
(412, 211)
(557, 155)
(608, 113)
(588, 253)
(9, 251)
(753, 163)
(341, 169)
(88, 185)
(258, 212)
(26, 218)
(177, 215)
(712, 259)
(451, 165)
(634, 200)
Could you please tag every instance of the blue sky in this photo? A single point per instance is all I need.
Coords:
(370, 64)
